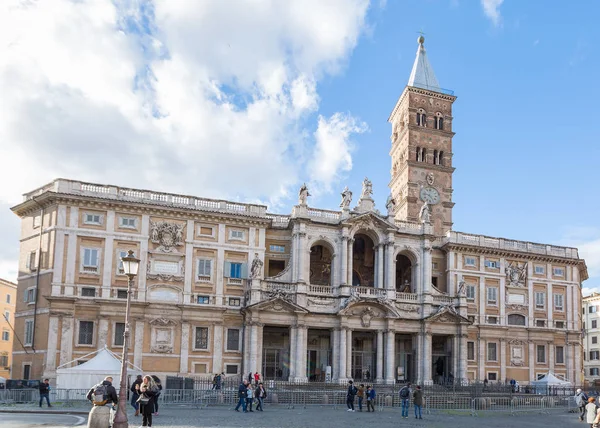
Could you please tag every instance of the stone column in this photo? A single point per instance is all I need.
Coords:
(342, 355)
(143, 256)
(185, 348)
(462, 358)
(577, 380)
(551, 356)
(455, 342)
(301, 354)
(59, 250)
(350, 261)
(418, 348)
(294, 257)
(426, 280)
(390, 357)
(550, 309)
(217, 363)
(344, 261)
(349, 353)
(66, 340)
(380, 256)
(532, 360)
(138, 344)
(103, 339)
(503, 362)
(293, 362)
(390, 271)
(379, 376)
(335, 354)
(109, 255)
(50, 370)
(482, 359)
(253, 347)
(427, 361)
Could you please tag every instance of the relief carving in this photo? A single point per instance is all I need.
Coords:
(516, 274)
(167, 235)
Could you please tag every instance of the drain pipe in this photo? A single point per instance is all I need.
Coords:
(37, 276)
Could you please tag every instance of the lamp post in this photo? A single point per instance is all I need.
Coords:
(130, 267)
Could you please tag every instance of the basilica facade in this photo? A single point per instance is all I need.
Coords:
(314, 295)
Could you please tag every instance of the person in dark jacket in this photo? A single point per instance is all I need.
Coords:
(418, 402)
(159, 389)
(148, 395)
(370, 399)
(135, 394)
(104, 394)
(45, 392)
(260, 394)
(242, 394)
(350, 396)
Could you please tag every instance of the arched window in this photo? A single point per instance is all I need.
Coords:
(435, 157)
(421, 118)
(418, 154)
(423, 155)
(441, 158)
(516, 319)
(438, 121)
(441, 123)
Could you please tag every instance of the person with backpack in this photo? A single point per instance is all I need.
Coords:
(418, 402)
(370, 398)
(581, 399)
(159, 389)
(148, 394)
(405, 399)
(135, 394)
(101, 395)
(352, 391)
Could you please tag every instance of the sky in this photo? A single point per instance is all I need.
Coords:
(248, 99)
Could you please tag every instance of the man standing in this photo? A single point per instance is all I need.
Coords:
(101, 396)
(45, 392)
(242, 394)
(135, 394)
(418, 402)
(581, 399)
(350, 396)
(260, 395)
(405, 399)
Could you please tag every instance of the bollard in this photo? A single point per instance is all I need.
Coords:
(99, 417)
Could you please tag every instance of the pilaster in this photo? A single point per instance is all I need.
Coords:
(532, 360)
(66, 339)
(550, 346)
(427, 380)
(349, 353)
(390, 356)
(189, 261)
(379, 375)
(109, 254)
(301, 338)
(103, 338)
(138, 344)
(344, 261)
(342, 354)
(390, 268)
(503, 362)
(335, 357)
(293, 352)
(50, 370)
(350, 261)
(185, 348)
(380, 261)
(143, 256)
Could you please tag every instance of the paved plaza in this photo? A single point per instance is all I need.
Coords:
(281, 416)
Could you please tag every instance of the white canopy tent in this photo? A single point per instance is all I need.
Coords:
(549, 383)
(2, 379)
(84, 376)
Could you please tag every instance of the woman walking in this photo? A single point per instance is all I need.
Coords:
(158, 392)
(148, 393)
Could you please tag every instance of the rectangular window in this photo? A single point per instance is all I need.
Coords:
(541, 353)
(492, 320)
(540, 270)
(121, 294)
(26, 371)
(277, 248)
(557, 271)
(592, 309)
(88, 292)
(8, 299)
(119, 337)
(594, 339)
(93, 219)
(32, 261)
(7, 315)
(470, 292)
(594, 324)
(560, 355)
(28, 332)
(233, 339)
(5, 337)
(559, 324)
(206, 231)
(594, 355)
(558, 302)
(3, 360)
(29, 295)
(540, 323)
(37, 221)
(492, 264)
(203, 300)
(594, 372)
(127, 222)
(492, 295)
(471, 351)
(237, 235)
(90, 260)
(470, 261)
(540, 300)
(236, 271)
(491, 352)
(235, 301)
(201, 341)
(120, 255)
(492, 376)
(231, 369)
(204, 269)
(86, 333)
(471, 319)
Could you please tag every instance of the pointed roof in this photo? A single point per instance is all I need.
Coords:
(422, 75)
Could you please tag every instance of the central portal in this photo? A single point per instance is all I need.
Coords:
(364, 356)
(276, 353)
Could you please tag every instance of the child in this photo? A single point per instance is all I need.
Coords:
(590, 411)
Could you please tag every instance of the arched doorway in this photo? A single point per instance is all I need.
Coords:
(404, 281)
(321, 263)
(363, 261)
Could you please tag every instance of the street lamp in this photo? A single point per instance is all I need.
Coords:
(130, 267)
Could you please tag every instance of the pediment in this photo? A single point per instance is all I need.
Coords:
(447, 314)
(369, 219)
(278, 304)
(369, 308)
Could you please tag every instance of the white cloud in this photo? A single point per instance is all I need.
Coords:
(587, 241)
(491, 9)
(184, 96)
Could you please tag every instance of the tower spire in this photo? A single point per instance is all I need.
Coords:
(422, 75)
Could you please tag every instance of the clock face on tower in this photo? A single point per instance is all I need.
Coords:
(430, 195)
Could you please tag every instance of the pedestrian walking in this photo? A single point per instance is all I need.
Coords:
(581, 399)
(260, 394)
(256, 378)
(405, 399)
(220, 378)
(370, 398)
(149, 393)
(102, 395)
(250, 377)
(158, 392)
(352, 391)
(418, 402)
(214, 382)
(242, 393)
(45, 392)
(135, 394)
(249, 397)
(590, 411)
(361, 395)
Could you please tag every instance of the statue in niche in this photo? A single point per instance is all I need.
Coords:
(346, 198)
(303, 195)
(462, 288)
(367, 189)
(257, 265)
(425, 214)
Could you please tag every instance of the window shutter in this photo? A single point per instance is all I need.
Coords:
(208, 267)
(244, 270)
(227, 270)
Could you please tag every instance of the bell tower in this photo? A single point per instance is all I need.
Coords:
(421, 150)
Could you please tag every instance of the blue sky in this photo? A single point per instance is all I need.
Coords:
(249, 102)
